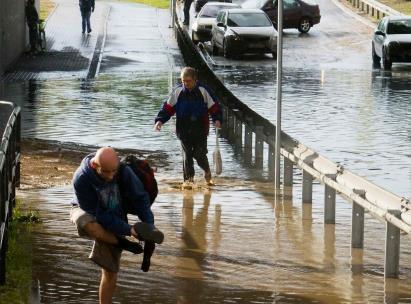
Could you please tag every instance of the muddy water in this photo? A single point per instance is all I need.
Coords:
(233, 244)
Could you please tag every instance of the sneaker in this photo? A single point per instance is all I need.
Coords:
(125, 244)
(83, 31)
(89, 31)
(185, 22)
(146, 232)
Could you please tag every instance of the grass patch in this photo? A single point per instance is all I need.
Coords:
(402, 6)
(46, 7)
(19, 258)
(153, 3)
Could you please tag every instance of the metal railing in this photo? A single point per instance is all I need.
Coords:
(9, 173)
(373, 8)
(249, 132)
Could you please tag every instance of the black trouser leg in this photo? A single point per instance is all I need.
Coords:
(33, 37)
(200, 154)
(188, 164)
(187, 5)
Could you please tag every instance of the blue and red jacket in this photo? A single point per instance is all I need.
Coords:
(192, 109)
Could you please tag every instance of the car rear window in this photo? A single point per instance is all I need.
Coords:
(399, 27)
(211, 11)
(248, 20)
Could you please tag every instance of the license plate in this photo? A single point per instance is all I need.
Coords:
(256, 45)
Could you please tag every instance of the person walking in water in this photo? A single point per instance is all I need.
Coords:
(86, 8)
(192, 103)
(105, 191)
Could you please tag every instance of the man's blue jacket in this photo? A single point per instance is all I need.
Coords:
(87, 188)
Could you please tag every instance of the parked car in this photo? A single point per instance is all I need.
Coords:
(392, 41)
(201, 30)
(198, 4)
(298, 14)
(239, 31)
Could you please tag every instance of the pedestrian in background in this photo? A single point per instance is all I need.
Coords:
(32, 19)
(86, 8)
(187, 5)
(192, 103)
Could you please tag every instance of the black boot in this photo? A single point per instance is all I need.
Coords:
(125, 244)
(149, 247)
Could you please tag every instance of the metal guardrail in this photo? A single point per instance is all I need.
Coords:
(247, 131)
(374, 8)
(9, 173)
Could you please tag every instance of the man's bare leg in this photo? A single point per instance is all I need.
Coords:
(107, 286)
(98, 233)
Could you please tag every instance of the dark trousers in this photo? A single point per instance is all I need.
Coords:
(198, 151)
(85, 20)
(33, 37)
(187, 5)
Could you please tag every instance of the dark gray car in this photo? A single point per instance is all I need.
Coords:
(392, 41)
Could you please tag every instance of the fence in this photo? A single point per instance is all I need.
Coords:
(252, 134)
(9, 173)
(373, 8)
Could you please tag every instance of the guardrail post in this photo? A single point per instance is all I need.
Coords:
(271, 156)
(329, 202)
(392, 248)
(378, 14)
(230, 122)
(259, 147)
(224, 127)
(238, 132)
(307, 186)
(372, 11)
(368, 9)
(357, 222)
(288, 172)
(248, 143)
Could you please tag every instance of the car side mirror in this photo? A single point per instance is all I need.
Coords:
(220, 24)
(379, 33)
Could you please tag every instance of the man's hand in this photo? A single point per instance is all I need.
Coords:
(158, 125)
(133, 232)
(217, 124)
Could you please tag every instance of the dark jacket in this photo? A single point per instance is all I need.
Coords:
(88, 189)
(86, 5)
(32, 16)
(192, 109)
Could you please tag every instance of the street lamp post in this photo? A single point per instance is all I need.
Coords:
(279, 94)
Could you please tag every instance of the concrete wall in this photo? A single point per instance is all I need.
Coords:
(13, 32)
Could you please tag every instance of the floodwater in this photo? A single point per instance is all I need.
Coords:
(236, 242)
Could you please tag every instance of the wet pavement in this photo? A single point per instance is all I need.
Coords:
(235, 243)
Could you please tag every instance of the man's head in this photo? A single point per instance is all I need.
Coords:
(189, 77)
(106, 163)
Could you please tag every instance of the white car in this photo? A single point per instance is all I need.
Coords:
(239, 31)
(201, 30)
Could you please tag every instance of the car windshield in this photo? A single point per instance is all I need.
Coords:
(253, 3)
(399, 27)
(211, 11)
(248, 20)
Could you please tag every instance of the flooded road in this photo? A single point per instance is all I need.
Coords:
(334, 100)
(235, 243)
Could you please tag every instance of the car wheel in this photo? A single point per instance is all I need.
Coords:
(375, 58)
(386, 62)
(226, 50)
(304, 25)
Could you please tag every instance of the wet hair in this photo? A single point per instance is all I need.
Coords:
(189, 72)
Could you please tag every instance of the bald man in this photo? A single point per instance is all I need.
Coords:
(103, 187)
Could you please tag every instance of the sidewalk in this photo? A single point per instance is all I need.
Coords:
(136, 35)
